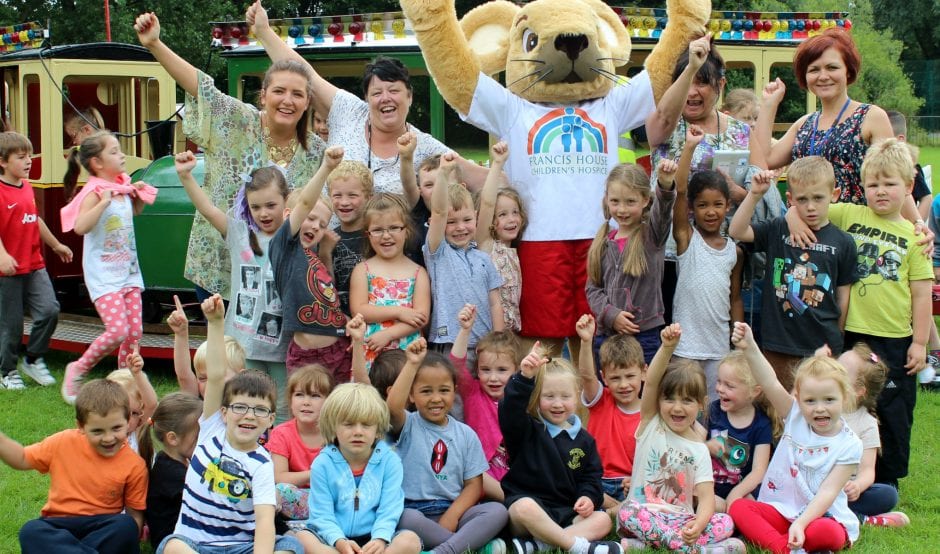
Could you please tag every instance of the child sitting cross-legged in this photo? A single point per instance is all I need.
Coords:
(98, 486)
(672, 468)
(553, 487)
(229, 494)
(356, 495)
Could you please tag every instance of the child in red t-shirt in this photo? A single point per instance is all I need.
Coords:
(23, 277)
(614, 405)
(98, 485)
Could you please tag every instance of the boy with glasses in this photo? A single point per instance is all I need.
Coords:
(229, 495)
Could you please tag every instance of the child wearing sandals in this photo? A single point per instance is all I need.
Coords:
(553, 487)
(357, 498)
(672, 466)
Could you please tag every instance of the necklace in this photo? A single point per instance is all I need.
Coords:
(815, 150)
(388, 165)
(717, 134)
(280, 155)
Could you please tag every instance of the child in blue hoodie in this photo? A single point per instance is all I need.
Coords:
(355, 482)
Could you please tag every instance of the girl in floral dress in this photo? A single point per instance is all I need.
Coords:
(391, 292)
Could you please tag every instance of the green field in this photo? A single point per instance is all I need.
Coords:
(28, 416)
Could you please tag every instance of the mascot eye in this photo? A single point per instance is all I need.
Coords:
(529, 40)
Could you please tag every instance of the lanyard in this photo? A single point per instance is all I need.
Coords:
(813, 150)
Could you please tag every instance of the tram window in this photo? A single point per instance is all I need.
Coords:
(33, 112)
(740, 76)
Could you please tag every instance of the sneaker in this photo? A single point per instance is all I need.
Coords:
(71, 382)
(524, 546)
(890, 519)
(728, 546)
(605, 547)
(632, 543)
(12, 381)
(927, 375)
(38, 371)
(495, 546)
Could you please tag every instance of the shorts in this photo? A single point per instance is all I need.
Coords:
(336, 358)
(281, 544)
(613, 487)
(562, 515)
(553, 278)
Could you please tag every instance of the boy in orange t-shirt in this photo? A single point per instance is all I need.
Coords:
(94, 477)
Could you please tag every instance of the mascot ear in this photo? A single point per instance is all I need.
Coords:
(613, 33)
(487, 30)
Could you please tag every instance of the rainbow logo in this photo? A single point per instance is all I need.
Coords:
(572, 128)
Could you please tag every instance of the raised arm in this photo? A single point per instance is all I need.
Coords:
(681, 228)
(182, 364)
(780, 154)
(216, 364)
(498, 154)
(440, 202)
(135, 362)
(662, 122)
(356, 331)
(779, 397)
(465, 318)
(740, 228)
(649, 402)
(147, 27)
(185, 161)
(314, 188)
(277, 49)
(398, 395)
(590, 385)
(407, 143)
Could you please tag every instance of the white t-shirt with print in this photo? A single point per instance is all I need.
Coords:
(801, 463)
(560, 154)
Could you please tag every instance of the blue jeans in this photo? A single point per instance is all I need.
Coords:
(281, 544)
(429, 507)
(877, 499)
(613, 487)
(105, 534)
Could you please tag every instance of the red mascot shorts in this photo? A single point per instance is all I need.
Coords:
(553, 277)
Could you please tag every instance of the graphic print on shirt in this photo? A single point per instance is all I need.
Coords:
(567, 141)
(671, 481)
(226, 477)
(574, 458)
(323, 309)
(880, 254)
(799, 285)
(119, 247)
(439, 459)
(734, 456)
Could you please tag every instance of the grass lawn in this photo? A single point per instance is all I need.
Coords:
(28, 416)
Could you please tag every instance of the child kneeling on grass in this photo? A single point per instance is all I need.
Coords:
(98, 487)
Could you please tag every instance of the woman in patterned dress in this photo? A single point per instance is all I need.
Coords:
(842, 130)
(237, 138)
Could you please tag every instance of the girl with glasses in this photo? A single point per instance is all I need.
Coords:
(391, 292)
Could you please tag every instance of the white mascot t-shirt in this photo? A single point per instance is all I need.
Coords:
(560, 155)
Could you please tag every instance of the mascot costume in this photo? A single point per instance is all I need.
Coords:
(561, 113)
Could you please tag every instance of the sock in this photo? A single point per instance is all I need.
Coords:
(580, 546)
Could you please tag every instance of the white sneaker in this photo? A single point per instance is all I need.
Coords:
(12, 381)
(71, 382)
(927, 375)
(38, 371)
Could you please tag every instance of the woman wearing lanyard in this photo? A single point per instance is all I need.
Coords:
(841, 132)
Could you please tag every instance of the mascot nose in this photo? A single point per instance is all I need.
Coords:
(571, 45)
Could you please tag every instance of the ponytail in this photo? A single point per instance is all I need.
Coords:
(71, 174)
(253, 243)
(145, 444)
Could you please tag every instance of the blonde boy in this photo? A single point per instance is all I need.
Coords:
(460, 273)
(349, 187)
(890, 304)
(806, 290)
(614, 405)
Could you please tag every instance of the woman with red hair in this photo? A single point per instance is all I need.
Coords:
(842, 130)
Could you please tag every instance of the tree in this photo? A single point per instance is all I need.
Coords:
(916, 25)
